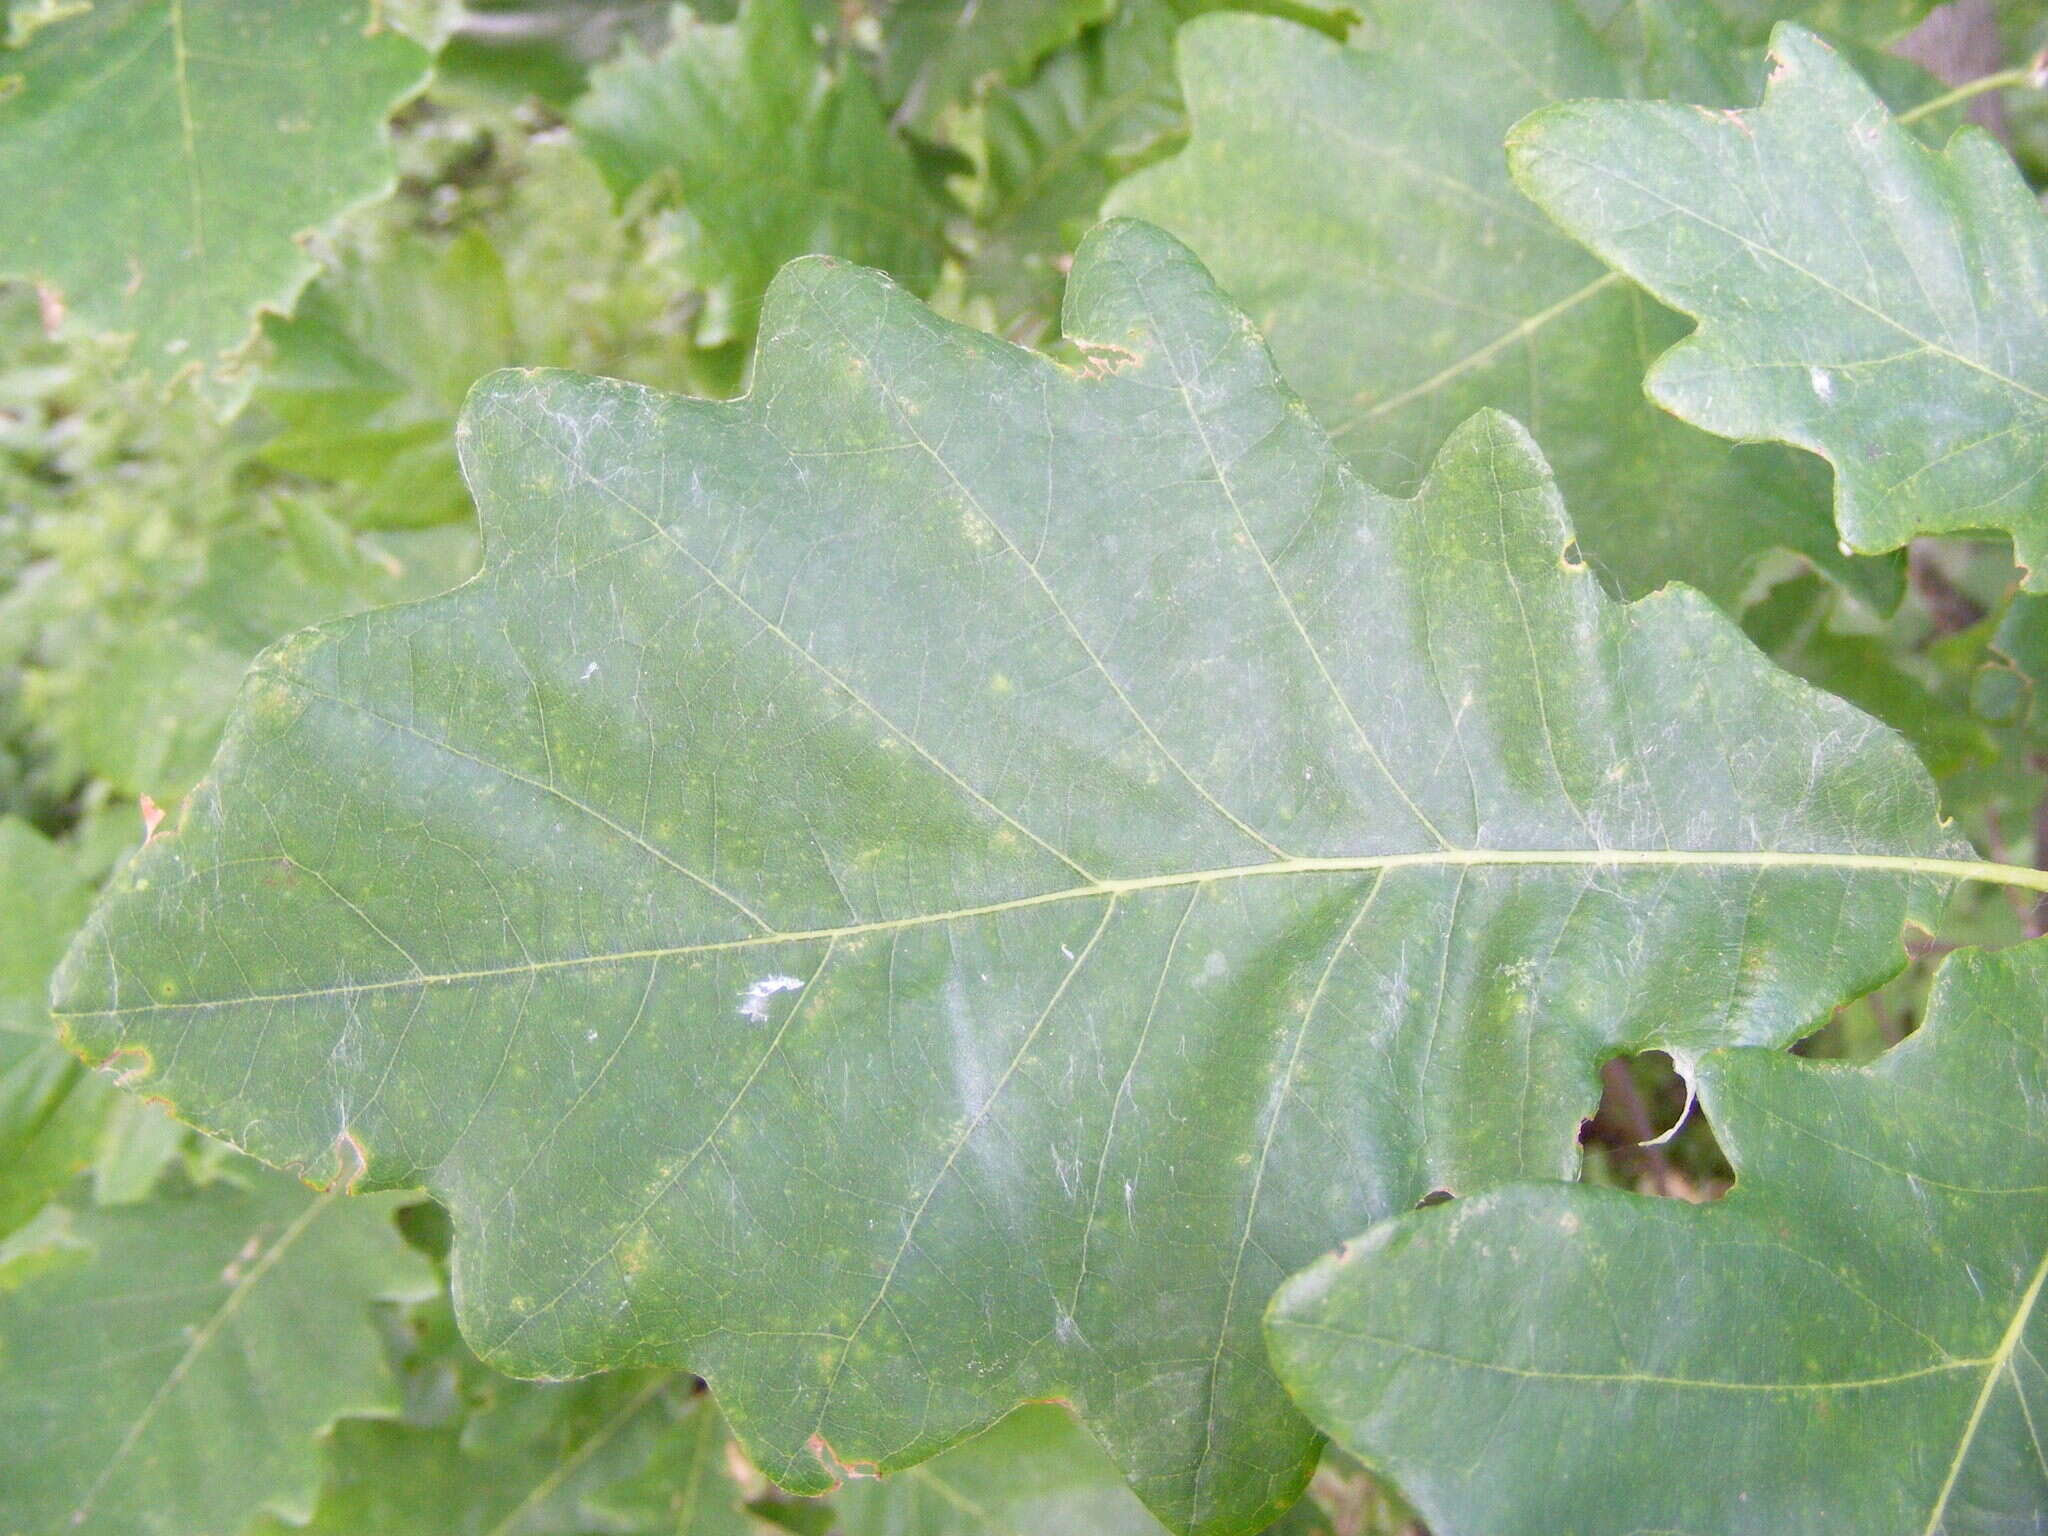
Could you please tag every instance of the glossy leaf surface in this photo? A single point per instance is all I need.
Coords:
(810, 908)
(1851, 1341)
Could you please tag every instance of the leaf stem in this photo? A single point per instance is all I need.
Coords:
(2033, 74)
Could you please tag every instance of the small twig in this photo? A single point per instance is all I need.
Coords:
(2033, 74)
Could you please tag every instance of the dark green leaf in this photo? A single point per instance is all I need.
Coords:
(934, 51)
(771, 154)
(936, 884)
(1852, 1341)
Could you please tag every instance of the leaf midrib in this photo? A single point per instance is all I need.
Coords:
(1109, 889)
(1644, 1378)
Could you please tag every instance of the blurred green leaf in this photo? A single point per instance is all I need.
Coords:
(1050, 146)
(367, 376)
(220, 1329)
(137, 695)
(171, 153)
(934, 51)
(51, 1108)
(1035, 1474)
(529, 1460)
(1798, 623)
(770, 152)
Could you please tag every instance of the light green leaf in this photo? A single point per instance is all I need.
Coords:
(365, 379)
(1851, 1341)
(772, 154)
(138, 698)
(50, 896)
(1034, 1474)
(51, 1108)
(935, 51)
(1372, 232)
(219, 1331)
(171, 152)
(528, 1464)
(1050, 848)
(1858, 294)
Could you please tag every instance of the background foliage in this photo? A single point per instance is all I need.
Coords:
(232, 361)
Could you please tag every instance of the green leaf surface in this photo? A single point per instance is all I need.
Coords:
(935, 51)
(811, 909)
(771, 153)
(51, 1108)
(1851, 1341)
(1858, 294)
(365, 379)
(531, 1462)
(1035, 1474)
(1372, 232)
(160, 156)
(220, 1330)
(1052, 145)
(49, 896)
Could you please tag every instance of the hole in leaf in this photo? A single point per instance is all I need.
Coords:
(1865, 1029)
(1630, 1141)
(1570, 557)
(1434, 1197)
